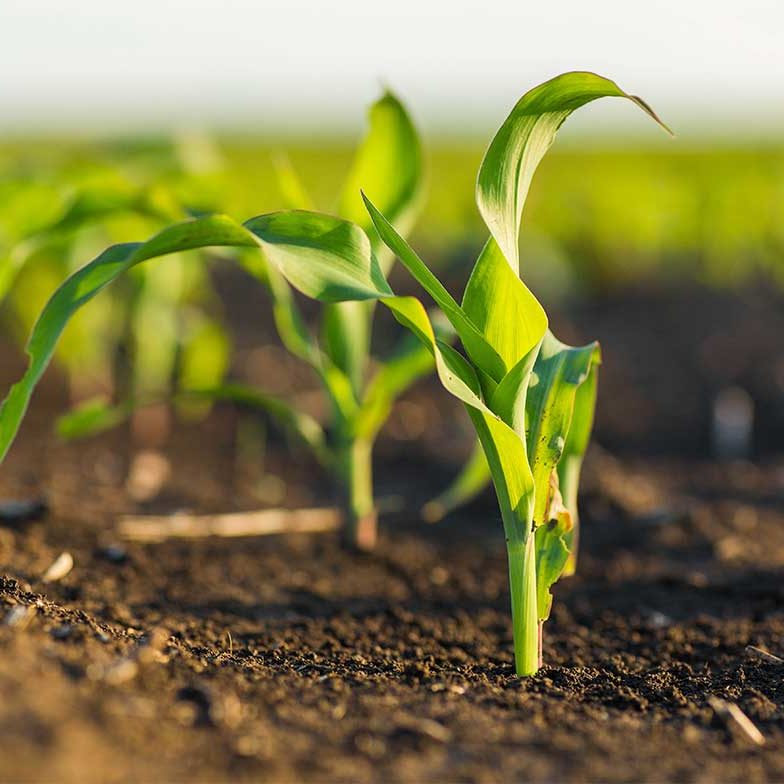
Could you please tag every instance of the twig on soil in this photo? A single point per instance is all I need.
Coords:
(753, 650)
(152, 528)
(728, 711)
(61, 566)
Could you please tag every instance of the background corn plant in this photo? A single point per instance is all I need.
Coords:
(164, 317)
(388, 163)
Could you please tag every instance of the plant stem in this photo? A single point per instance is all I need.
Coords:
(525, 623)
(356, 466)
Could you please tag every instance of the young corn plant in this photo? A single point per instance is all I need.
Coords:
(519, 383)
(58, 220)
(388, 164)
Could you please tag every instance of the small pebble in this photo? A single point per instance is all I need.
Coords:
(61, 566)
(62, 632)
(114, 553)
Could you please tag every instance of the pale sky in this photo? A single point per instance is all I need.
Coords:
(159, 64)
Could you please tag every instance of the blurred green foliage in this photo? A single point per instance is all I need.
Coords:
(599, 216)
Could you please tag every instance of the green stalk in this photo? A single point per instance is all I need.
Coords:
(356, 468)
(526, 630)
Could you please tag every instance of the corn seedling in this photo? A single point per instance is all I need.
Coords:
(518, 382)
(388, 164)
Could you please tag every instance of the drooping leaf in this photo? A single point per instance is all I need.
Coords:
(327, 258)
(557, 374)
(322, 256)
(522, 140)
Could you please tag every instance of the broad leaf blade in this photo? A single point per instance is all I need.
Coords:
(327, 258)
(520, 144)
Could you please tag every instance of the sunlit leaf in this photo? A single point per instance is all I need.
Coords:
(520, 144)
(501, 306)
(388, 168)
(321, 255)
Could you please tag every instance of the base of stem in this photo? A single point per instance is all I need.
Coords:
(361, 533)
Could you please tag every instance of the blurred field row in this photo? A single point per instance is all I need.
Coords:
(599, 215)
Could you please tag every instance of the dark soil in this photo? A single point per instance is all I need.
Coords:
(287, 659)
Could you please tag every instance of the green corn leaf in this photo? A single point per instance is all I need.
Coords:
(91, 418)
(327, 258)
(322, 256)
(411, 361)
(520, 144)
(504, 448)
(388, 167)
(455, 373)
(473, 478)
(509, 398)
(501, 306)
(558, 373)
(484, 356)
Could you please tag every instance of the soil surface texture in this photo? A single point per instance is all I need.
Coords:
(286, 658)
